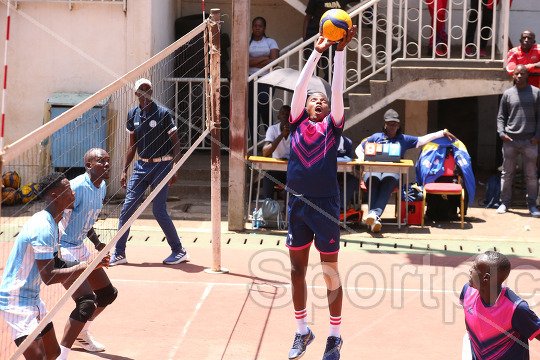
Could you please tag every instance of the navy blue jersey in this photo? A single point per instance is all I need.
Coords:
(151, 130)
(312, 168)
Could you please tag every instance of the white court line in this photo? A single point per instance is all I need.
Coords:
(309, 286)
(192, 317)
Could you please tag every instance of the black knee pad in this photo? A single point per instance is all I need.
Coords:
(84, 308)
(106, 295)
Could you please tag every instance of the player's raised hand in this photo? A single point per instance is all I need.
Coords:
(345, 41)
(323, 44)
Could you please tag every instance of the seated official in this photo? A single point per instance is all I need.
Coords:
(384, 183)
(277, 145)
(345, 153)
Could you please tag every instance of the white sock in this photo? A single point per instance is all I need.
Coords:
(86, 326)
(64, 352)
(335, 324)
(301, 321)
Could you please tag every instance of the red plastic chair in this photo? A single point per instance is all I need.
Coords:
(442, 188)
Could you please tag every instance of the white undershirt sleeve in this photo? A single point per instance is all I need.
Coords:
(298, 103)
(337, 107)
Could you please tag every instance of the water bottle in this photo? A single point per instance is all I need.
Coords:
(255, 221)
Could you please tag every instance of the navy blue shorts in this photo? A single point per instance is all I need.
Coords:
(314, 217)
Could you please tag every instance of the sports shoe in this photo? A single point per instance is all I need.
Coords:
(177, 257)
(376, 227)
(300, 343)
(483, 53)
(117, 259)
(534, 211)
(501, 209)
(469, 51)
(370, 218)
(333, 347)
(87, 342)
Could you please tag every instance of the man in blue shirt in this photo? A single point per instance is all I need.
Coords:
(78, 223)
(152, 134)
(33, 260)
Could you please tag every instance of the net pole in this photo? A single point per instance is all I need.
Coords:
(215, 123)
(8, 21)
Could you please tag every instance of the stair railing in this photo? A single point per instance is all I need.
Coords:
(387, 34)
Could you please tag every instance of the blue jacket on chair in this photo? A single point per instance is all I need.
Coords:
(429, 166)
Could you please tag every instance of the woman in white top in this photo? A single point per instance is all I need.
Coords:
(262, 51)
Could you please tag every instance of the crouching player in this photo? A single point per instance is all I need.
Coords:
(315, 132)
(78, 223)
(33, 260)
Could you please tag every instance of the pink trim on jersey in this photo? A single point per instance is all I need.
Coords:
(535, 334)
(488, 323)
(300, 247)
(292, 121)
(312, 133)
(334, 121)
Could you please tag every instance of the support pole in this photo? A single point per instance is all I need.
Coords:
(239, 75)
(214, 92)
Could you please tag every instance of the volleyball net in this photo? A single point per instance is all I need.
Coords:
(183, 80)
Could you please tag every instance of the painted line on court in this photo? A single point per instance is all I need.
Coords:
(190, 320)
(309, 286)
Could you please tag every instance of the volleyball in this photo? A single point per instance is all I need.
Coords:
(11, 179)
(334, 24)
(9, 196)
(26, 193)
(35, 187)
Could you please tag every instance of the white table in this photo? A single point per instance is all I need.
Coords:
(401, 168)
(261, 163)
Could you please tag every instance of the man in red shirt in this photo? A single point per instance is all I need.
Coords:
(527, 54)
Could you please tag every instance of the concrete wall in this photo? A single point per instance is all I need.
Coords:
(55, 49)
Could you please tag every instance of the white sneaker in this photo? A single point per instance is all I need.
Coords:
(376, 227)
(87, 342)
(370, 218)
(501, 209)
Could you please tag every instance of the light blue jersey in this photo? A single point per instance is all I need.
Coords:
(88, 204)
(21, 279)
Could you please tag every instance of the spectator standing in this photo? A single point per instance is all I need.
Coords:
(262, 51)
(527, 54)
(518, 125)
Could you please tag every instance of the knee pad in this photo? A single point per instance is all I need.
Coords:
(331, 275)
(84, 308)
(106, 295)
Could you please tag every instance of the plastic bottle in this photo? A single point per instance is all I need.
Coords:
(255, 221)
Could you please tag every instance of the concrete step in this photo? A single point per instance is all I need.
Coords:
(197, 189)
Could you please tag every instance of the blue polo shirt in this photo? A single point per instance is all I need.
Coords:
(151, 130)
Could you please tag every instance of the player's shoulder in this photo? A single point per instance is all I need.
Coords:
(511, 296)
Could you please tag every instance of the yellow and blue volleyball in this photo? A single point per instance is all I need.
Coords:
(9, 196)
(34, 186)
(26, 194)
(11, 179)
(334, 24)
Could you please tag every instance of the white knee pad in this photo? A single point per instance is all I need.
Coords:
(331, 275)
